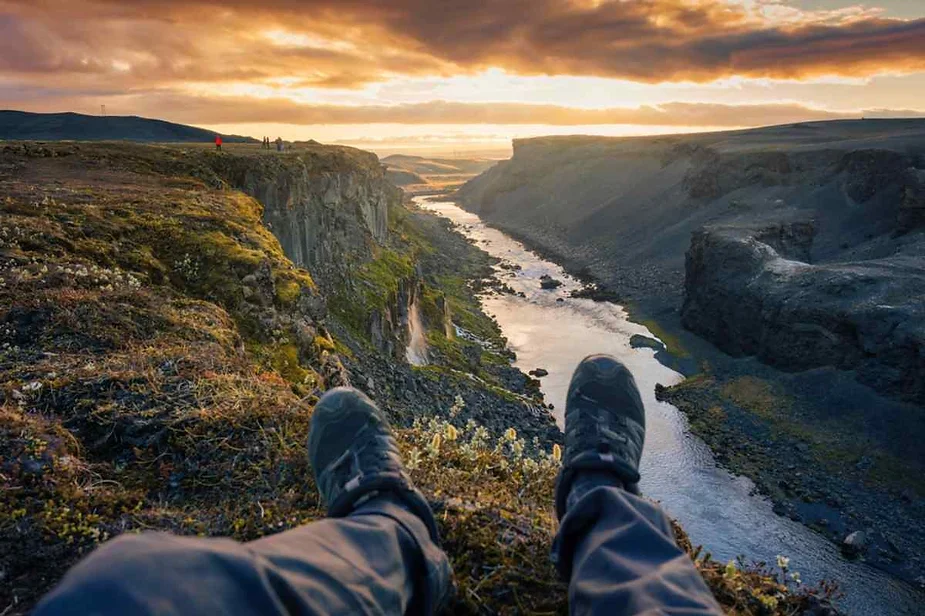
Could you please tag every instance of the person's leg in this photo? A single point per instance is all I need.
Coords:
(380, 559)
(379, 553)
(384, 555)
(616, 550)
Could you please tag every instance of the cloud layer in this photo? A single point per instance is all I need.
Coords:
(351, 42)
(194, 60)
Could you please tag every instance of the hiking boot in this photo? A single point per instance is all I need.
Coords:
(605, 426)
(355, 457)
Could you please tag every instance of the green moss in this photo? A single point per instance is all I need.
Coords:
(431, 300)
(380, 278)
(373, 286)
(288, 292)
(283, 359)
(756, 395)
(325, 344)
(672, 342)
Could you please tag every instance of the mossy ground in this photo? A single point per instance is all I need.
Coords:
(141, 388)
(671, 341)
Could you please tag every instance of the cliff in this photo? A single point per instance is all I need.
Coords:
(624, 210)
(605, 202)
(327, 206)
(752, 299)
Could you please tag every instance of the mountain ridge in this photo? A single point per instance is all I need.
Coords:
(69, 126)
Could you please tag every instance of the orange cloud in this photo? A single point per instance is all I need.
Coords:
(125, 46)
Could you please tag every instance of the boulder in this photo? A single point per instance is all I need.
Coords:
(638, 341)
(855, 544)
(548, 283)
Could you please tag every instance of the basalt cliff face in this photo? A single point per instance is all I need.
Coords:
(327, 212)
(329, 208)
(751, 298)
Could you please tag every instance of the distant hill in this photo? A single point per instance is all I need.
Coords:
(25, 126)
(419, 176)
(403, 177)
(438, 166)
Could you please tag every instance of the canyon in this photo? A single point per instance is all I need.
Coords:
(782, 270)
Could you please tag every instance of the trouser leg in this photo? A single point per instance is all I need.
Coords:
(620, 557)
(380, 559)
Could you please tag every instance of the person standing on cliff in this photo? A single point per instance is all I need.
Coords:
(379, 550)
(279, 144)
(218, 142)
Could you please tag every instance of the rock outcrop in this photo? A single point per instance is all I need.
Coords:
(394, 325)
(328, 208)
(752, 298)
(623, 209)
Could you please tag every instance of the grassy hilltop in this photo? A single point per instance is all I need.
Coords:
(160, 358)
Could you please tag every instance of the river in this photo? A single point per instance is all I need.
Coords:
(550, 330)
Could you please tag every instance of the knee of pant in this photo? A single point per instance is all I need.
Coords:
(131, 545)
(149, 554)
(108, 580)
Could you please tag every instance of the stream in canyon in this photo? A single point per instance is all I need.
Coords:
(548, 329)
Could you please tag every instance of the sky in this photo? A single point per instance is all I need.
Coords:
(464, 76)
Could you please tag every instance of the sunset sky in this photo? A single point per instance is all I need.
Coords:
(464, 75)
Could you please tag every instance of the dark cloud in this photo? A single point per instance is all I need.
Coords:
(352, 42)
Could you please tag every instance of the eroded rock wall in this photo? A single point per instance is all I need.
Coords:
(330, 211)
(326, 212)
(749, 299)
(814, 249)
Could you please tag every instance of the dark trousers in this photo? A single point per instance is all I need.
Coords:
(616, 549)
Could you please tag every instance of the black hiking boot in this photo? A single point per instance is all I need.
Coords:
(605, 426)
(355, 458)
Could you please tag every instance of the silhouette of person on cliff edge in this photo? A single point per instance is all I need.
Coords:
(218, 142)
(378, 552)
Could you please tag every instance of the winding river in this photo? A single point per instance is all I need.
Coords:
(550, 330)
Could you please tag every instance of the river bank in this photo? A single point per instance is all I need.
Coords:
(682, 353)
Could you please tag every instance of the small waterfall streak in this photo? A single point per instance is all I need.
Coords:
(416, 353)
